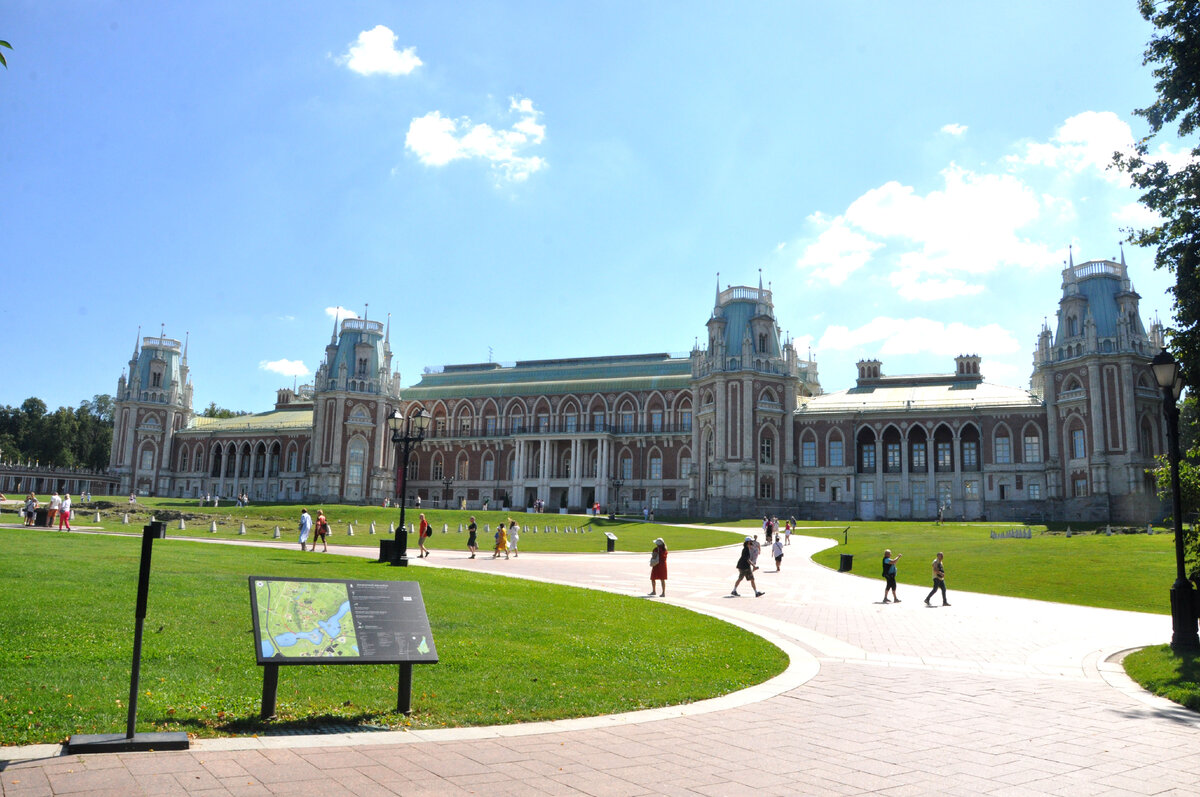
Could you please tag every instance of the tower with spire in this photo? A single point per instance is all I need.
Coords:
(153, 402)
(1092, 369)
(353, 388)
(745, 384)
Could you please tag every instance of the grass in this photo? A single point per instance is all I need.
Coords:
(261, 520)
(511, 651)
(1051, 566)
(1166, 673)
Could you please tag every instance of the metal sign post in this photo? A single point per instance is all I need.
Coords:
(131, 741)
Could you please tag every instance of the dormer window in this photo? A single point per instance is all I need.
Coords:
(762, 342)
(362, 367)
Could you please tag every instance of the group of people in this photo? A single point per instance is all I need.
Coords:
(321, 529)
(889, 576)
(770, 526)
(60, 508)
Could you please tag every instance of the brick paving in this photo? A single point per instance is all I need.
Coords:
(991, 696)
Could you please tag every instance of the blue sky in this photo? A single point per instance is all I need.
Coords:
(543, 180)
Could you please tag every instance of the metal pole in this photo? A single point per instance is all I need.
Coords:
(1183, 607)
(401, 549)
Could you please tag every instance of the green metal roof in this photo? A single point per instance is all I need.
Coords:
(272, 421)
(579, 375)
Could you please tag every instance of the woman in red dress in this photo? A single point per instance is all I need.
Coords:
(423, 531)
(658, 567)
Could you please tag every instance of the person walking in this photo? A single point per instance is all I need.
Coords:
(889, 573)
(514, 539)
(64, 512)
(755, 550)
(787, 532)
(658, 567)
(472, 530)
(322, 532)
(306, 525)
(939, 580)
(55, 506)
(745, 569)
(423, 531)
(502, 540)
(777, 551)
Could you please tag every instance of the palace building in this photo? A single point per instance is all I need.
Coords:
(739, 427)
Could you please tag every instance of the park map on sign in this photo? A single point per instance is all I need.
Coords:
(305, 619)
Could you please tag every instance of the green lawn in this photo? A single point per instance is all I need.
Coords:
(1080, 569)
(1166, 673)
(510, 650)
(261, 520)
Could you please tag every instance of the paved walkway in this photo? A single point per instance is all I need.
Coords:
(995, 696)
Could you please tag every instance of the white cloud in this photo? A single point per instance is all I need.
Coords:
(437, 140)
(954, 129)
(837, 252)
(920, 336)
(340, 312)
(1083, 143)
(374, 52)
(285, 367)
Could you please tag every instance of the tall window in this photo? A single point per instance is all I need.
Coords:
(866, 490)
(766, 450)
(971, 490)
(1035, 491)
(356, 458)
(945, 461)
(685, 467)
(292, 461)
(1003, 450)
(464, 426)
(867, 456)
(656, 421)
(685, 420)
(656, 467)
(438, 473)
(808, 453)
(543, 422)
(1078, 444)
(626, 421)
(572, 422)
(489, 469)
(627, 468)
(970, 455)
(892, 452)
(766, 488)
(918, 497)
(362, 367)
(1080, 486)
(597, 421)
(1033, 448)
(489, 425)
(517, 424)
(810, 493)
(919, 452)
(836, 456)
(461, 470)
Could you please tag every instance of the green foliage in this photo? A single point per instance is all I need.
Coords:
(1173, 193)
(3, 61)
(213, 411)
(1174, 675)
(509, 650)
(67, 437)
(1189, 498)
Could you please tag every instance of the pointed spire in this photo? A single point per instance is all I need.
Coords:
(760, 280)
(366, 306)
(1070, 256)
(162, 331)
(717, 296)
(336, 318)
(186, 336)
(387, 335)
(1122, 245)
(137, 340)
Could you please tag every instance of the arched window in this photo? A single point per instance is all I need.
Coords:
(1002, 446)
(766, 448)
(356, 460)
(918, 450)
(866, 450)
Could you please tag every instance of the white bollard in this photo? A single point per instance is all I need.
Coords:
(277, 534)
(182, 525)
(126, 520)
(372, 526)
(392, 528)
(98, 520)
(213, 527)
(242, 529)
(445, 528)
(460, 528)
(349, 529)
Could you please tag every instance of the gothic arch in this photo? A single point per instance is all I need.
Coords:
(999, 431)
(1072, 384)
(706, 397)
(184, 458)
(768, 448)
(292, 457)
(768, 396)
(1147, 436)
(462, 466)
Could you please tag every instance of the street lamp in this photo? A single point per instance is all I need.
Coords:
(446, 482)
(405, 433)
(1183, 609)
(616, 501)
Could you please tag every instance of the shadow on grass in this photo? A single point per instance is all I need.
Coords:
(253, 725)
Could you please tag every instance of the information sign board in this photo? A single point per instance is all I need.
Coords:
(334, 621)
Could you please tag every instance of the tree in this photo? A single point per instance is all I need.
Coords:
(1173, 193)
(3, 62)
(213, 411)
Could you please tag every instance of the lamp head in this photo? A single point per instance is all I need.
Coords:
(419, 420)
(1166, 369)
(395, 421)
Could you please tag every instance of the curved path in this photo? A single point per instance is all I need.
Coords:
(996, 696)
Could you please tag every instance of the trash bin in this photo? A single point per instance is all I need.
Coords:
(847, 563)
(41, 517)
(387, 550)
(612, 541)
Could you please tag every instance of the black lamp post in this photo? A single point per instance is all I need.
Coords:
(616, 500)
(446, 483)
(1183, 608)
(405, 433)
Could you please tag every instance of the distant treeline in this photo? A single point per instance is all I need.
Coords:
(68, 437)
